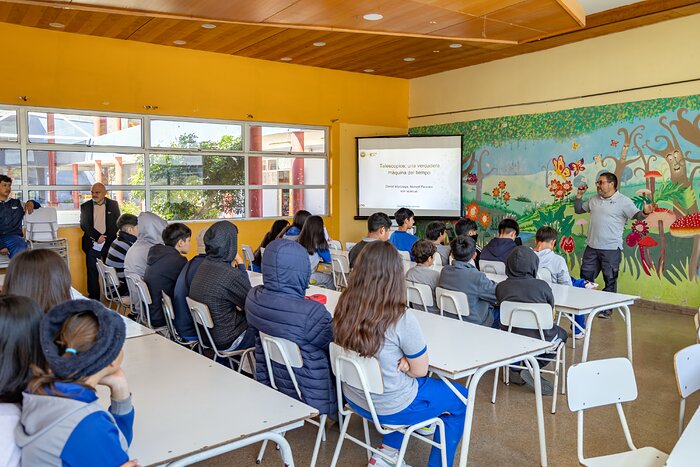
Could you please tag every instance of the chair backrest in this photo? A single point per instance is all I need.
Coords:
(697, 326)
(200, 313)
(284, 352)
(201, 248)
(335, 245)
(248, 256)
(356, 371)
(169, 313)
(349, 245)
(452, 301)
(405, 255)
(420, 294)
(140, 297)
(527, 316)
(545, 274)
(262, 251)
(600, 382)
(687, 365)
(341, 262)
(109, 275)
(103, 279)
(42, 224)
(494, 267)
(437, 259)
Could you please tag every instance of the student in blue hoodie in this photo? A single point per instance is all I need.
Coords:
(401, 238)
(499, 248)
(62, 422)
(313, 239)
(293, 231)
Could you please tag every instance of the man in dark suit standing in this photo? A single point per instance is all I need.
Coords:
(98, 219)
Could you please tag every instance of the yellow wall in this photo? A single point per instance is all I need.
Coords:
(661, 53)
(57, 69)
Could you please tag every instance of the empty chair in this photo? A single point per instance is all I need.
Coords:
(537, 316)
(42, 224)
(605, 382)
(366, 375)
(169, 313)
(493, 267)
(686, 362)
(110, 287)
(248, 256)
(202, 317)
(349, 245)
(419, 294)
(545, 275)
(140, 300)
(334, 245)
(452, 301)
(341, 270)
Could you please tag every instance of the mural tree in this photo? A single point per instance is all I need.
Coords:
(623, 162)
(468, 175)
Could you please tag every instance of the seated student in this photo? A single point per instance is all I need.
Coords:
(546, 240)
(468, 228)
(150, 233)
(128, 231)
(401, 238)
(20, 350)
(223, 287)
(436, 233)
(313, 239)
(164, 264)
(279, 308)
(183, 318)
(292, 232)
(500, 247)
(371, 319)
(278, 226)
(12, 212)
(422, 272)
(522, 285)
(62, 421)
(378, 225)
(41, 275)
(463, 276)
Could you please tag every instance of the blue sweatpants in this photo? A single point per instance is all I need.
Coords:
(581, 321)
(434, 399)
(14, 244)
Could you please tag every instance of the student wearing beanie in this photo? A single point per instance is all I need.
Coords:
(62, 422)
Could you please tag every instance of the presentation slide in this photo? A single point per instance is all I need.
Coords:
(422, 173)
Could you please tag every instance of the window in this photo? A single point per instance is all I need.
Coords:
(179, 168)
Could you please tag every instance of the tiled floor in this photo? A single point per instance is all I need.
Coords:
(505, 434)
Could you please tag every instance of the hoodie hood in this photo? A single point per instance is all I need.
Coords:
(285, 267)
(498, 246)
(221, 242)
(151, 228)
(161, 252)
(522, 263)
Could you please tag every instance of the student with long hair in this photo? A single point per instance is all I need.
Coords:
(19, 350)
(292, 232)
(62, 422)
(277, 227)
(313, 239)
(41, 275)
(371, 318)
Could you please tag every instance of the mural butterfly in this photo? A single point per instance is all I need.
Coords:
(575, 146)
(577, 167)
(560, 167)
(598, 158)
(614, 143)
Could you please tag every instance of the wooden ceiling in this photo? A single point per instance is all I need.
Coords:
(439, 35)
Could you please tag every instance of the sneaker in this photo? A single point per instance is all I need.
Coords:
(580, 335)
(547, 387)
(426, 430)
(515, 378)
(605, 314)
(378, 461)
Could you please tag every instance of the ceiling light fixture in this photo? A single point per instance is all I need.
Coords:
(286, 59)
(368, 70)
(319, 44)
(209, 26)
(373, 16)
(179, 42)
(409, 59)
(57, 25)
(436, 51)
(455, 46)
(432, 22)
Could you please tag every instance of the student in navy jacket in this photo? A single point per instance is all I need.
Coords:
(11, 214)
(279, 308)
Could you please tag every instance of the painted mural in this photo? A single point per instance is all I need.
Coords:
(529, 166)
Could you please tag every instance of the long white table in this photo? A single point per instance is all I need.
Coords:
(578, 301)
(134, 329)
(686, 451)
(190, 408)
(332, 296)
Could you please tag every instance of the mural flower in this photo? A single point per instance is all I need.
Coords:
(555, 185)
(473, 211)
(560, 194)
(567, 186)
(496, 192)
(640, 227)
(472, 179)
(502, 184)
(506, 196)
(567, 244)
(485, 219)
(632, 239)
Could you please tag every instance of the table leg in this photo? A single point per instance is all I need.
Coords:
(587, 337)
(540, 412)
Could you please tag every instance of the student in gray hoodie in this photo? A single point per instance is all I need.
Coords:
(150, 230)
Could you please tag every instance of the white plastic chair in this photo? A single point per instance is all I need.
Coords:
(202, 317)
(4, 261)
(349, 245)
(437, 259)
(405, 255)
(169, 313)
(686, 362)
(201, 248)
(262, 252)
(140, 298)
(42, 225)
(335, 245)
(545, 275)
(287, 353)
(537, 316)
(419, 294)
(494, 267)
(452, 301)
(248, 257)
(110, 287)
(605, 382)
(341, 270)
(366, 375)
(697, 326)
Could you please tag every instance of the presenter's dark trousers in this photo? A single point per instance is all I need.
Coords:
(606, 261)
(93, 277)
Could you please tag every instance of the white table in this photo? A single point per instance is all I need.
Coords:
(686, 452)
(578, 301)
(134, 329)
(332, 296)
(190, 408)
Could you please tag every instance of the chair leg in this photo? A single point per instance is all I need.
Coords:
(341, 438)
(563, 370)
(261, 453)
(368, 440)
(495, 384)
(556, 378)
(681, 418)
(319, 437)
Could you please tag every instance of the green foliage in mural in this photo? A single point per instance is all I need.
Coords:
(669, 195)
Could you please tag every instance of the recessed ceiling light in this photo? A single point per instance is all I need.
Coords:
(436, 51)
(209, 26)
(286, 59)
(179, 42)
(368, 70)
(409, 59)
(57, 25)
(373, 16)
(432, 22)
(455, 46)
(319, 44)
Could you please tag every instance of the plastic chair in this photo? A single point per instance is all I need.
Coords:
(202, 317)
(452, 301)
(287, 353)
(335, 245)
(169, 312)
(536, 316)
(605, 382)
(349, 245)
(248, 256)
(405, 255)
(419, 294)
(42, 225)
(437, 259)
(110, 287)
(262, 252)
(140, 301)
(341, 269)
(366, 375)
(697, 325)
(494, 267)
(686, 362)
(4, 261)
(545, 275)
(201, 248)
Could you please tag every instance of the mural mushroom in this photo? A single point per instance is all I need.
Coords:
(687, 227)
(582, 222)
(644, 193)
(652, 175)
(646, 242)
(659, 218)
